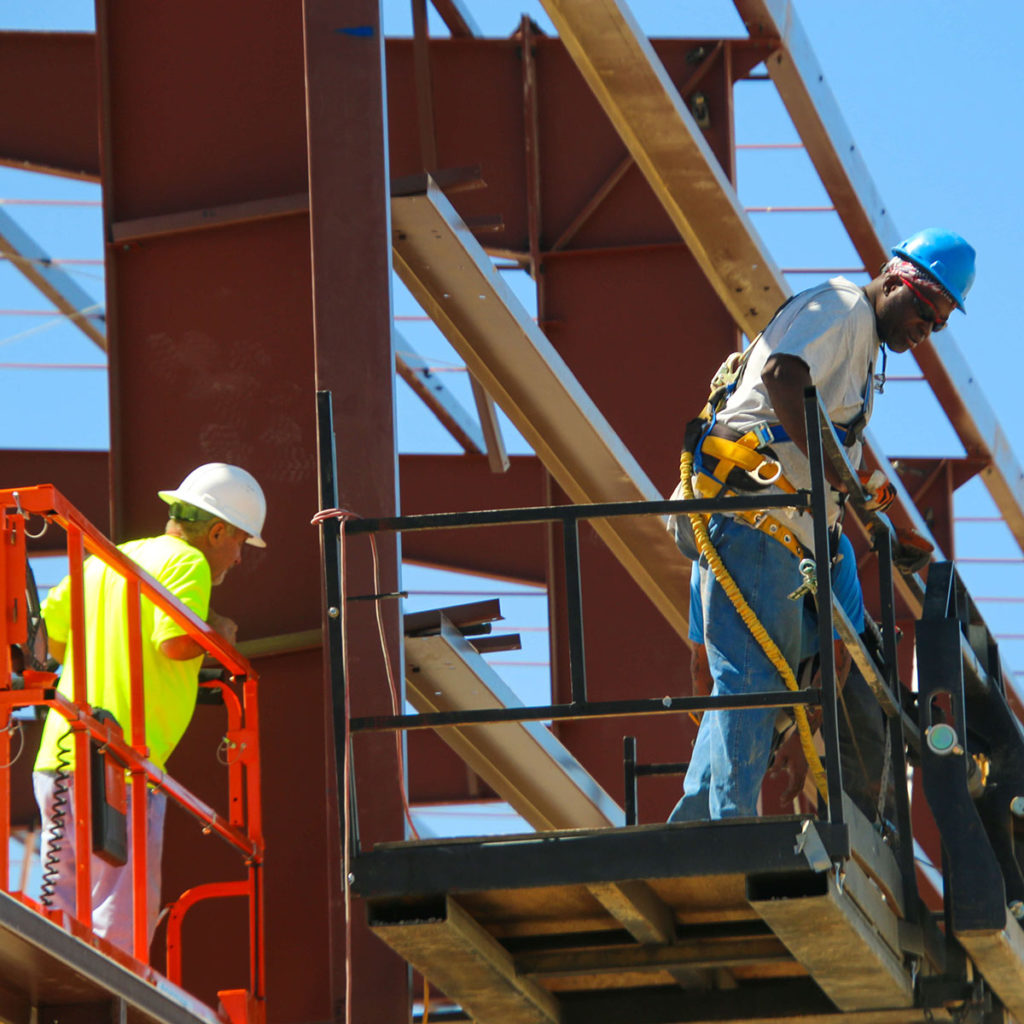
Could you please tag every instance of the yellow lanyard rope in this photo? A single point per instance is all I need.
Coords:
(700, 532)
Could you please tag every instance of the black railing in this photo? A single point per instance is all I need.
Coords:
(822, 441)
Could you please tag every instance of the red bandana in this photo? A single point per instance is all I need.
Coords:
(920, 278)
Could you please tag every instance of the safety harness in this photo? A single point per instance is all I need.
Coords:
(726, 462)
(718, 462)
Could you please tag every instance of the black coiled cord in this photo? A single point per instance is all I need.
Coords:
(51, 863)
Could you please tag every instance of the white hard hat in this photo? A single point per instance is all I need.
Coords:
(227, 492)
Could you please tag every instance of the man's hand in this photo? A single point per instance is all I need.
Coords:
(226, 627)
(912, 552)
(789, 761)
(184, 648)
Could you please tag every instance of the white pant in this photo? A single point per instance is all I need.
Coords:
(111, 886)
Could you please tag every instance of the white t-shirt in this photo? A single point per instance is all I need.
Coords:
(832, 329)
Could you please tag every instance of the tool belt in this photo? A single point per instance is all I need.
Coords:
(732, 463)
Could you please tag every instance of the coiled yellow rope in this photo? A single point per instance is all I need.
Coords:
(700, 532)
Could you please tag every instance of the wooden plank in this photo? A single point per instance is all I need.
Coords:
(635, 905)
(841, 947)
(696, 953)
(1000, 958)
(470, 966)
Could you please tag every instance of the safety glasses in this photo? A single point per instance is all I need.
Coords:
(926, 309)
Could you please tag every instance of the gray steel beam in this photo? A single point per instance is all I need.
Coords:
(497, 456)
(454, 281)
(73, 301)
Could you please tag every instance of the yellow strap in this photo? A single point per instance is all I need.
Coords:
(743, 453)
(768, 645)
(775, 528)
(707, 487)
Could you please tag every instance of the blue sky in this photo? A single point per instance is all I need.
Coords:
(930, 91)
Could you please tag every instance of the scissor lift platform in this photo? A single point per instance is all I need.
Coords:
(766, 927)
(51, 974)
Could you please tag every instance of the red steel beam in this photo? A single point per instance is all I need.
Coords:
(458, 19)
(213, 359)
(81, 476)
(516, 553)
(48, 103)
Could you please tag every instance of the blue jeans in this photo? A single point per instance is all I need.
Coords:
(731, 753)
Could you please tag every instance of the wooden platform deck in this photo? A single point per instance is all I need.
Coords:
(52, 975)
(760, 929)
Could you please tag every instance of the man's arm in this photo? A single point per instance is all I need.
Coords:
(785, 378)
(57, 649)
(184, 648)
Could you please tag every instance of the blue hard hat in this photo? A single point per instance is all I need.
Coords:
(944, 256)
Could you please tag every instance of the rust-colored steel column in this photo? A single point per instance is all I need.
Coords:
(213, 359)
(350, 230)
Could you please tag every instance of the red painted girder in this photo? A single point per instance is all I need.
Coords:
(49, 102)
(83, 477)
(212, 358)
(456, 16)
(479, 120)
(467, 484)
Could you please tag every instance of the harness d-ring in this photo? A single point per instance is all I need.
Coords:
(755, 473)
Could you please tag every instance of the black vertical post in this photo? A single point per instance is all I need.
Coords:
(629, 767)
(574, 605)
(826, 653)
(330, 532)
(904, 823)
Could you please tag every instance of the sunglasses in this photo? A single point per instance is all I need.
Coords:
(926, 309)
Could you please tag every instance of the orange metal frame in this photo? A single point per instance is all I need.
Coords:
(243, 826)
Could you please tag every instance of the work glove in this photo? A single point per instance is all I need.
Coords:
(880, 494)
(911, 552)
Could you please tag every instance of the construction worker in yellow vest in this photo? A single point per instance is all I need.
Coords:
(217, 509)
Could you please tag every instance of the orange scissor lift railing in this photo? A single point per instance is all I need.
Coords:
(242, 828)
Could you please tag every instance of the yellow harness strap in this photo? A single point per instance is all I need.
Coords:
(746, 613)
(705, 487)
(742, 453)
